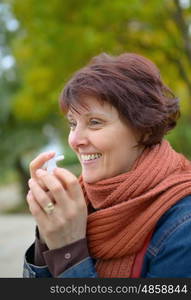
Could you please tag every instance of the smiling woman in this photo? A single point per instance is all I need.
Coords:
(129, 213)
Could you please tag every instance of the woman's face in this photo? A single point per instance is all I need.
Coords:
(102, 142)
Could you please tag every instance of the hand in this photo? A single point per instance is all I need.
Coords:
(67, 222)
(36, 164)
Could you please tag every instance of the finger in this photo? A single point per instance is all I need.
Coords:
(39, 161)
(55, 187)
(70, 181)
(41, 197)
(38, 214)
(34, 207)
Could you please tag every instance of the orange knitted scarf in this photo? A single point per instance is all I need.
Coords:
(128, 206)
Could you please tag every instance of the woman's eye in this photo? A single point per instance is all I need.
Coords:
(95, 122)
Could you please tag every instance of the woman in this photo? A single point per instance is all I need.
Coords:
(129, 214)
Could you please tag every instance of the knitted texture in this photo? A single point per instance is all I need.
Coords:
(128, 206)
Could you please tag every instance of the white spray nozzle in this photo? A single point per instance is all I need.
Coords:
(50, 165)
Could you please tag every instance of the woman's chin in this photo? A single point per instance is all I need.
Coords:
(90, 178)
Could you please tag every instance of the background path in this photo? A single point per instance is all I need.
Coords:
(16, 234)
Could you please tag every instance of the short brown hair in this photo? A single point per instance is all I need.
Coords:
(132, 84)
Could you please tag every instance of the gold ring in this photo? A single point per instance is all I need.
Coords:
(49, 208)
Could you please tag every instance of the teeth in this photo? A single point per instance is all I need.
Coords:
(90, 156)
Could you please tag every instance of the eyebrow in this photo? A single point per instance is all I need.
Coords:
(88, 114)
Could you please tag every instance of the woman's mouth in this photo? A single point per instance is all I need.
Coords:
(89, 158)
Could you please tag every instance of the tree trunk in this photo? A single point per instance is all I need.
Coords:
(24, 177)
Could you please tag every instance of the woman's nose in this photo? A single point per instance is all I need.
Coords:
(77, 137)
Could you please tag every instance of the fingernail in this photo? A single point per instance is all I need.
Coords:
(50, 153)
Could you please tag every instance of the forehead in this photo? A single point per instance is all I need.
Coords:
(90, 105)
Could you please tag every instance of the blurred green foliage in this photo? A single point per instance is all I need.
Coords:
(58, 37)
